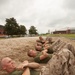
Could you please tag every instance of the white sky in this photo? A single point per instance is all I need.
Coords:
(43, 14)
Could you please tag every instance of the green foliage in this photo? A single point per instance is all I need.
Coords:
(33, 30)
(11, 27)
(22, 29)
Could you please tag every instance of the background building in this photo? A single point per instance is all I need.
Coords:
(1, 30)
(68, 30)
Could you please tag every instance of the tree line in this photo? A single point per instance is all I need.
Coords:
(13, 28)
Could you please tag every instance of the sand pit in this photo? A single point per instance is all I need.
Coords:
(16, 48)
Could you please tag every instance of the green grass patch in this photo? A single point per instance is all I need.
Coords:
(61, 35)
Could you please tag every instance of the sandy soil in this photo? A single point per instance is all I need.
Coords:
(16, 48)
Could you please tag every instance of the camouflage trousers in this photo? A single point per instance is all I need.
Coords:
(61, 63)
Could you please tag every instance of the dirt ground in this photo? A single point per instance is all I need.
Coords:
(16, 48)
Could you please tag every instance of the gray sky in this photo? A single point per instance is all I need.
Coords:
(43, 14)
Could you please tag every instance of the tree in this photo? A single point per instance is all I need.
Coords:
(22, 29)
(33, 30)
(11, 27)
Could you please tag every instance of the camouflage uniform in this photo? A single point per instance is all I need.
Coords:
(62, 63)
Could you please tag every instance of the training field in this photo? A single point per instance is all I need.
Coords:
(16, 48)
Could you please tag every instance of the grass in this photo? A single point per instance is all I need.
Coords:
(71, 36)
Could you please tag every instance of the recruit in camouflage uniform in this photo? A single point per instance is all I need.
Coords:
(61, 63)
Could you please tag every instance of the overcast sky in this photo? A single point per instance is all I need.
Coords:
(43, 14)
